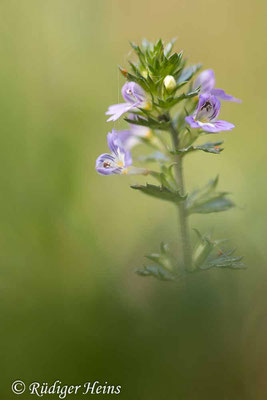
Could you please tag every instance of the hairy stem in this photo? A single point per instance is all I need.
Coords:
(183, 219)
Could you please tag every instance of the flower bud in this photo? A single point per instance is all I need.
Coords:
(144, 73)
(169, 83)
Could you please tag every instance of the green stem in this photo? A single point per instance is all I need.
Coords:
(183, 218)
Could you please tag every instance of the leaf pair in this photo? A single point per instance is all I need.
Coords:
(167, 189)
(164, 267)
(203, 257)
(208, 200)
(160, 192)
(209, 147)
(171, 101)
(149, 122)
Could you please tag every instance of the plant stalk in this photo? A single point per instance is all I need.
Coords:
(183, 218)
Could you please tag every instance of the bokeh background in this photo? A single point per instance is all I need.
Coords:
(71, 306)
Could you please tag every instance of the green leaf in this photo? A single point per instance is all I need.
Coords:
(174, 61)
(149, 122)
(207, 200)
(168, 48)
(202, 249)
(172, 101)
(213, 205)
(139, 52)
(203, 257)
(163, 258)
(224, 260)
(165, 177)
(159, 46)
(165, 265)
(157, 271)
(209, 147)
(189, 72)
(161, 178)
(138, 79)
(160, 192)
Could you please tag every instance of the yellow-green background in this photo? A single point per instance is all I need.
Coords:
(71, 306)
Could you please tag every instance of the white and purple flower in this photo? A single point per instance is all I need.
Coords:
(116, 162)
(206, 82)
(119, 161)
(205, 116)
(134, 96)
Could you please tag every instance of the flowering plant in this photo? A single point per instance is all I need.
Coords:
(163, 96)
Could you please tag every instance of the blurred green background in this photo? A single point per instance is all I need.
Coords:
(71, 306)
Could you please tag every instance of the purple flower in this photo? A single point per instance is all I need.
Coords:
(118, 161)
(206, 82)
(205, 116)
(134, 97)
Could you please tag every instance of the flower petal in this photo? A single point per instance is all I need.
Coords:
(128, 139)
(192, 122)
(128, 159)
(116, 110)
(221, 125)
(112, 140)
(212, 127)
(206, 81)
(132, 92)
(220, 93)
(118, 149)
(208, 107)
(105, 165)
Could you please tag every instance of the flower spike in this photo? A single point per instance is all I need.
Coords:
(161, 96)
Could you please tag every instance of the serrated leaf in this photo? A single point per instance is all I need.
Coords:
(160, 192)
(172, 101)
(157, 271)
(203, 192)
(138, 51)
(202, 249)
(149, 122)
(165, 177)
(137, 79)
(159, 46)
(203, 258)
(136, 70)
(163, 258)
(168, 48)
(209, 147)
(213, 205)
(189, 72)
(224, 260)
(175, 59)
(207, 200)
